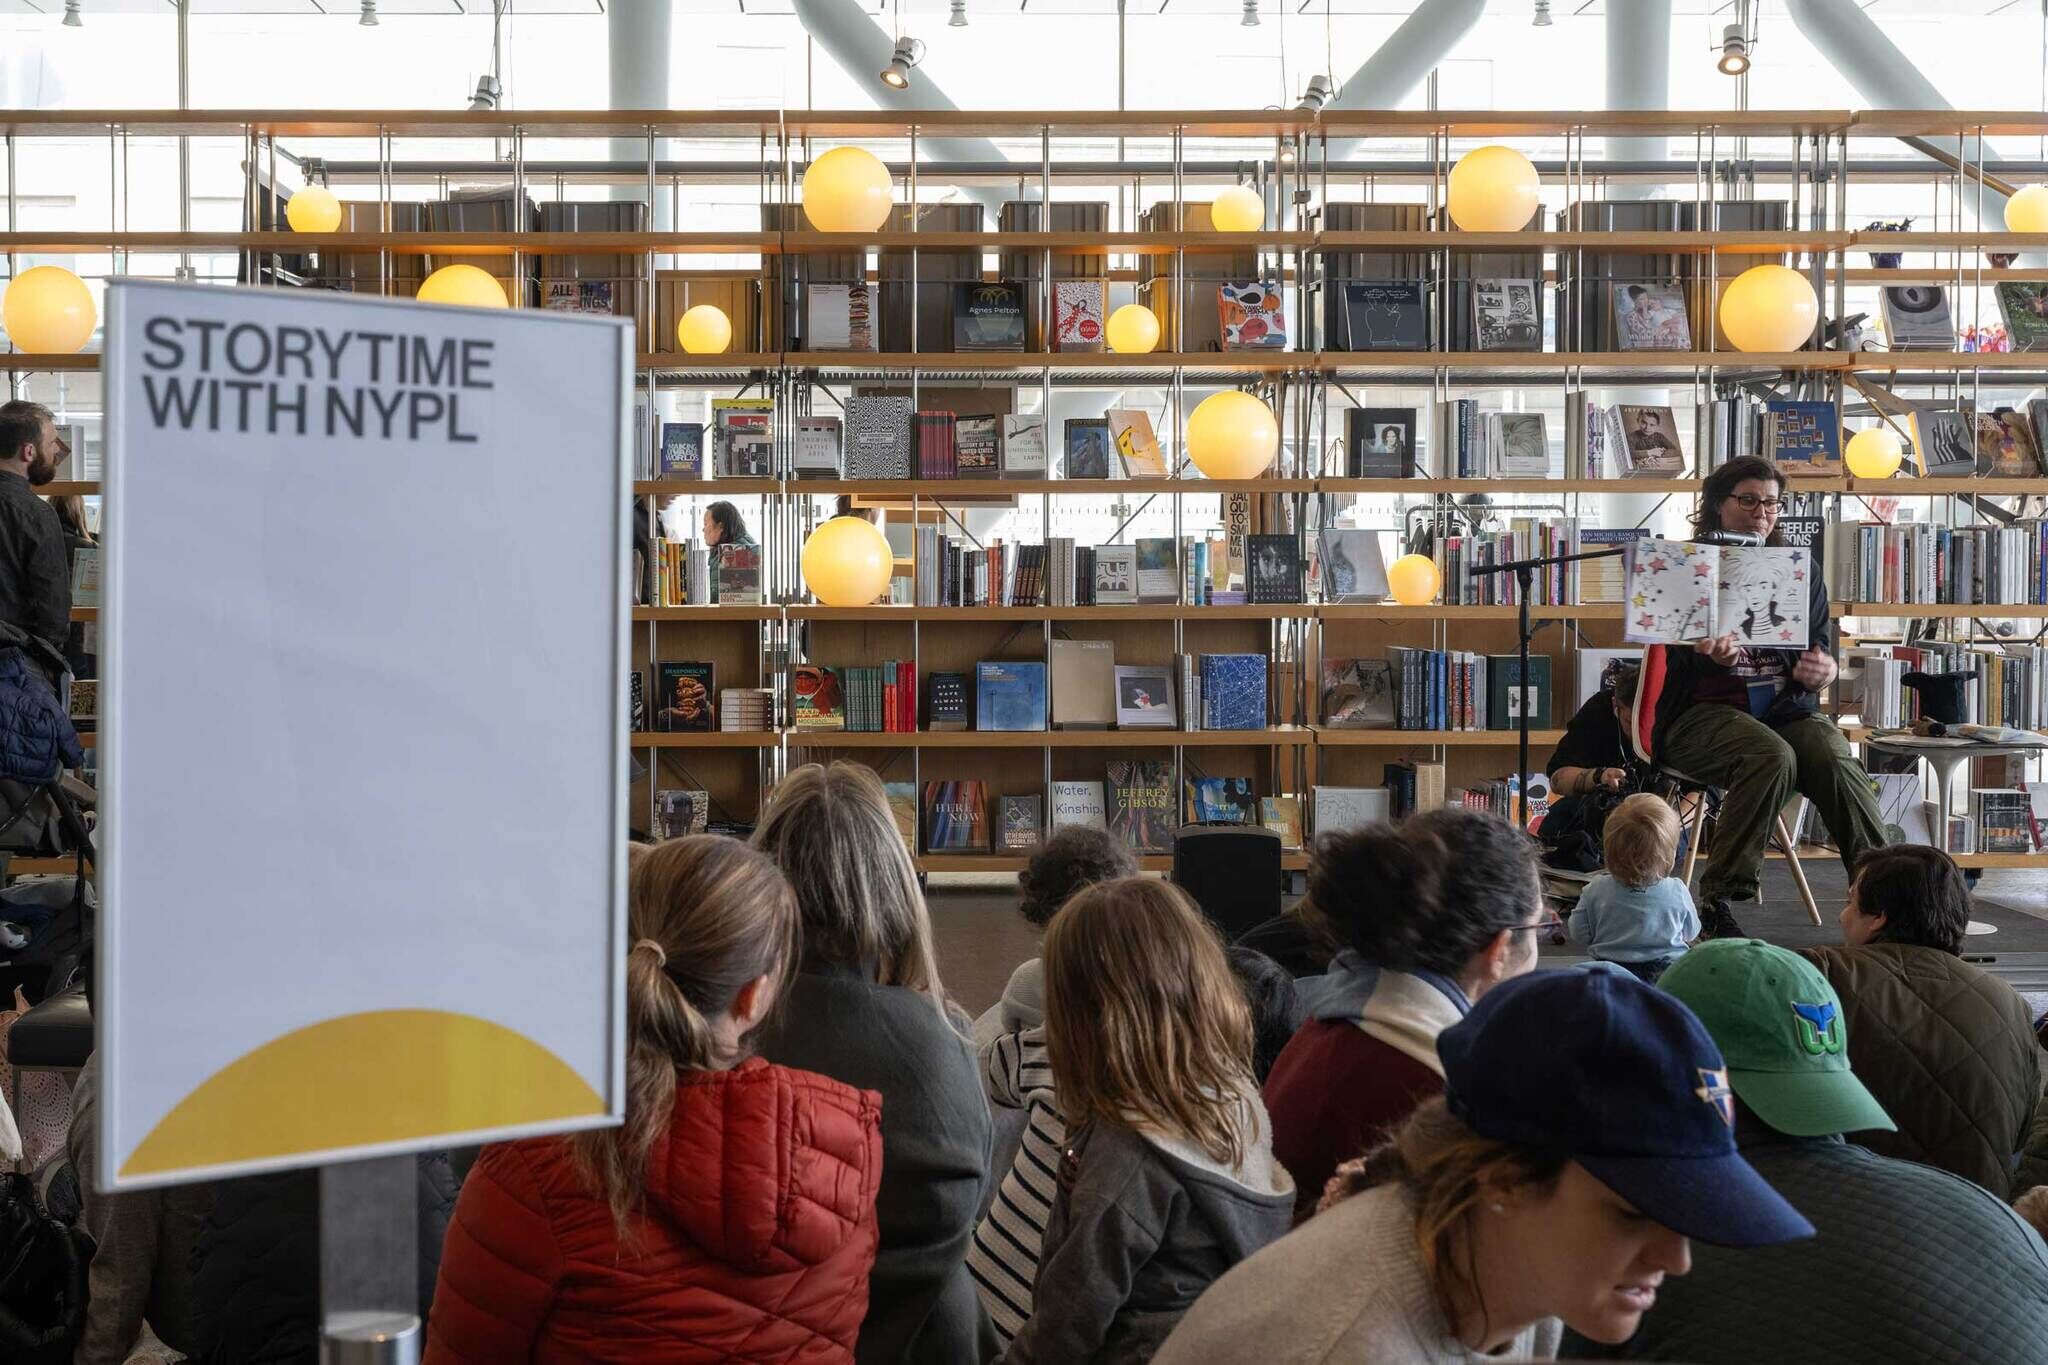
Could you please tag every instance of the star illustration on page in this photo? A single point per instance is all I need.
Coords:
(1798, 576)
(1641, 600)
(1701, 570)
(1647, 621)
(1784, 635)
(1658, 566)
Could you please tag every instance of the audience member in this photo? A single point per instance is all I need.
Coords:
(1582, 1138)
(1169, 1178)
(1892, 1237)
(1275, 1003)
(1074, 857)
(1947, 1048)
(723, 525)
(1636, 914)
(1432, 913)
(2033, 1208)
(35, 554)
(868, 1009)
(737, 1202)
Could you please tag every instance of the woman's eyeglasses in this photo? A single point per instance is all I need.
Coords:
(1750, 502)
(1553, 925)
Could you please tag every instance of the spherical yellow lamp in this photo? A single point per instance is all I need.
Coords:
(847, 563)
(2027, 211)
(1132, 330)
(48, 311)
(1238, 209)
(1232, 435)
(1413, 580)
(1769, 308)
(463, 284)
(313, 209)
(847, 190)
(704, 330)
(1874, 453)
(1494, 189)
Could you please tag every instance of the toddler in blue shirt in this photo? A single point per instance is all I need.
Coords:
(1636, 914)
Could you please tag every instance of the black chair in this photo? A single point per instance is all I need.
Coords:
(1231, 871)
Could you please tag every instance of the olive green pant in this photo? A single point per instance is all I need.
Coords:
(1758, 767)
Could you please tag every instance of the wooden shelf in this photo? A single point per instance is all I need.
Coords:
(1079, 488)
(1391, 611)
(1945, 610)
(1455, 361)
(85, 613)
(1281, 736)
(1335, 485)
(707, 739)
(978, 361)
(709, 614)
(1452, 739)
(1119, 611)
(1094, 243)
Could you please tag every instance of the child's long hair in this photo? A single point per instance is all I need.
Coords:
(1145, 1024)
(706, 915)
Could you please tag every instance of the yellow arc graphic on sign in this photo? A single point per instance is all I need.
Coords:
(364, 1079)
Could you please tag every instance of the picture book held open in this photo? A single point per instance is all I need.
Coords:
(1679, 591)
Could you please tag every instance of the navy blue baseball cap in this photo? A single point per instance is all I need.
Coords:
(1621, 1078)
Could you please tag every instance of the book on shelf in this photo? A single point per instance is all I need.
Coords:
(2003, 820)
(2037, 813)
(1944, 441)
(1519, 445)
(1023, 449)
(1916, 317)
(1646, 438)
(1188, 678)
(956, 817)
(1083, 684)
(1803, 436)
(636, 699)
(2024, 306)
(1357, 694)
(878, 442)
(1158, 569)
(739, 575)
(1349, 566)
(1594, 661)
(1020, 822)
(937, 457)
(2006, 444)
(82, 706)
(743, 437)
(1136, 444)
(1009, 695)
(817, 447)
(1438, 689)
(1233, 691)
(1275, 569)
(903, 806)
(1924, 563)
(680, 811)
(1505, 701)
(1342, 810)
(1680, 591)
(1077, 311)
(818, 700)
(1411, 786)
(1725, 429)
(988, 316)
(977, 446)
(878, 696)
(841, 317)
(1468, 443)
(1140, 804)
(85, 576)
(1116, 574)
(1144, 697)
(579, 296)
(1504, 316)
(1282, 815)
(748, 709)
(1385, 315)
(947, 705)
(1456, 556)
(683, 692)
(1220, 801)
(1604, 580)
(682, 451)
(1252, 315)
(1078, 803)
(1808, 533)
(1379, 443)
(1087, 448)
(1501, 796)
(1650, 316)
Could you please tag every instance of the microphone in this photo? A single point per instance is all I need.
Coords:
(1730, 538)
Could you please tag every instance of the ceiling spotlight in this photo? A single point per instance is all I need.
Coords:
(909, 52)
(1734, 52)
(959, 19)
(1542, 19)
(369, 19)
(73, 16)
(1251, 14)
(1321, 90)
(488, 93)
(1287, 150)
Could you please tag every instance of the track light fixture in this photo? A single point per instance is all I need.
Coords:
(74, 16)
(1734, 51)
(1320, 91)
(1542, 19)
(369, 19)
(488, 93)
(1251, 14)
(909, 52)
(959, 17)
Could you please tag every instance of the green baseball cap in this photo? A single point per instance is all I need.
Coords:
(1779, 1026)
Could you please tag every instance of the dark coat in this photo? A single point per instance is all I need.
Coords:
(36, 737)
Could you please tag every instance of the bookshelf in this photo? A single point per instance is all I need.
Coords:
(1185, 155)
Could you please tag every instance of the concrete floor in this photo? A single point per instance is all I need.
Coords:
(981, 939)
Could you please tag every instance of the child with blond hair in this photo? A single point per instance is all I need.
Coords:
(1636, 914)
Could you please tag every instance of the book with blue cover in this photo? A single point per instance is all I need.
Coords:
(1221, 801)
(1803, 436)
(1233, 691)
(956, 817)
(1009, 696)
(682, 450)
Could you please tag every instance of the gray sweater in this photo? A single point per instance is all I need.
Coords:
(1345, 1288)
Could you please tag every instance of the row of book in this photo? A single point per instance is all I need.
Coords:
(690, 573)
(686, 698)
(1435, 689)
(2009, 684)
(1457, 556)
(1919, 562)
(1195, 571)
(990, 315)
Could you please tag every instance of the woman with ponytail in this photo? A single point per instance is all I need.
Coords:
(732, 1216)
(1427, 915)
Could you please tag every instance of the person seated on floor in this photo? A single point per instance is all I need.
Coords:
(1745, 719)
(1582, 1138)
(1274, 1000)
(1892, 1237)
(1636, 914)
(1169, 1177)
(1433, 912)
(867, 1008)
(1074, 857)
(1946, 1047)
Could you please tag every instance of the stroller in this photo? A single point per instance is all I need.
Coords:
(45, 928)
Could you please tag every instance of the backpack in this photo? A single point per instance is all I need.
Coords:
(42, 1279)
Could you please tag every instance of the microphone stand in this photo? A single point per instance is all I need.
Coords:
(1524, 571)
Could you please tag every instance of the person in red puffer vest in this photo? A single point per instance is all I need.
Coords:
(732, 1217)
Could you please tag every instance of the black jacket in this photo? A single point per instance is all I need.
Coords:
(35, 564)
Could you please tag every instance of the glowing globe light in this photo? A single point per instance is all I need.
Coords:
(1769, 308)
(2027, 211)
(463, 284)
(1414, 580)
(1493, 189)
(48, 311)
(847, 563)
(1232, 435)
(846, 190)
(1874, 453)
(313, 209)
(1238, 209)
(1132, 330)
(704, 330)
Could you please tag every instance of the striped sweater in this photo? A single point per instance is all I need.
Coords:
(1003, 1258)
